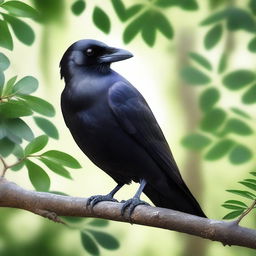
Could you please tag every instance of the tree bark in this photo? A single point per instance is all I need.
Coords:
(52, 206)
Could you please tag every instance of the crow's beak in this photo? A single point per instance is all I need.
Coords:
(115, 54)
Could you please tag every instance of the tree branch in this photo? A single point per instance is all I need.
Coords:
(51, 206)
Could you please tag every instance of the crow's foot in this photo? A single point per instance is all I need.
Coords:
(93, 200)
(131, 204)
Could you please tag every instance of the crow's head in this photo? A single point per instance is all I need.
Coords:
(90, 53)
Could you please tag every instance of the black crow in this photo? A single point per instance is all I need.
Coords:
(113, 125)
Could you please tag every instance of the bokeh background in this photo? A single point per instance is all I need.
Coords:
(157, 70)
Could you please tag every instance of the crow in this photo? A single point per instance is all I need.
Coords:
(115, 128)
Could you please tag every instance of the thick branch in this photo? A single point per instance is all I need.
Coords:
(52, 206)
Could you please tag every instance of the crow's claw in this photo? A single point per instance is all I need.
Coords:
(131, 204)
(93, 200)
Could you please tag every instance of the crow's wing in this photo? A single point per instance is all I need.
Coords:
(136, 118)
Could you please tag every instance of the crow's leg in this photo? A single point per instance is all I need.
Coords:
(135, 201)
(93, 200)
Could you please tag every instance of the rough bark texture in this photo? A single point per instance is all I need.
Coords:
(51, 206)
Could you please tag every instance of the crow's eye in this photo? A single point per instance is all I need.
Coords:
(89, 52)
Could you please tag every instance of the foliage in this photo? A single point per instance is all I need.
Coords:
(11, 12)
(146, 17)
(238, 207)
(233, 19)
(15, 104)
(93, 237)
(220, 128)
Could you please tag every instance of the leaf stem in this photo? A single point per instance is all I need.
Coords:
(6, 167)
(246, 212)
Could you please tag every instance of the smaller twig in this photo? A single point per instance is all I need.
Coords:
(246, 212)
(6, 167)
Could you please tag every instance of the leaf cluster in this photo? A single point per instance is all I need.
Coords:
(237, 206)
(145, 18)
(12, 13)
(92, 234)
(16, 103)
(219, 128)
(233, 19)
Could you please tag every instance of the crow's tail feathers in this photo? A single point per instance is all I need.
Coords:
(179, 200)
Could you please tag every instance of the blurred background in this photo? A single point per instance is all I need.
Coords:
(175, 85)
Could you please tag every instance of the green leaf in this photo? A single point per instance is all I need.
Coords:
(201, 60)
(14, 109)
(18, 8)
(213, 36)
(38, 177)
(189, 5)
(208, 99)
(194, 76)
(18, 151)
(237, 126)
(240, 154)
(2, 129)
(62, 158)
(18, 167)
(251, 180)
(223, 63)
(89, 245)
(99, 223)
(233, 207)
(26, 85)
(134, 9)
(78, 7)
(119, 9)
(162, 24)
(4, 62)
(236, 202)
(242, 193)
(5, 36)
(36, 145)
(72, 219)
(253, 173)
(240, 112)
(39, 105)
(2, 81)
(6, 147)
(149, 30)
(216, 17)
(233, 215)
(13, 137)
(252, 6)
(249, 96)
(133, 28)
(9, 86)
(18, 127)
(220, 149)
(55, 167)
(238, 79)
(106, 240)
(101, 20)
(22, 30)
(248, 185)
(47, 127)
(240, 19)
(213, 119)
(252, 45)
(195, 141)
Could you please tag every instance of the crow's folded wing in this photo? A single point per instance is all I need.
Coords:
(136, 118)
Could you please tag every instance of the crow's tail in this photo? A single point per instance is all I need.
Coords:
(178, 199)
